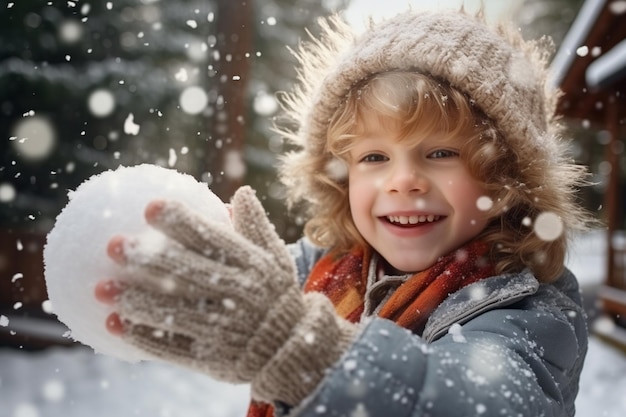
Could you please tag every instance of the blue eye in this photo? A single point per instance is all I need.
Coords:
(374, 157)
(443, 153)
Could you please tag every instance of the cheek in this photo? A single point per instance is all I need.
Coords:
(365, 180)
(476, 204)
(470, 197)
(355, 188)
(361, 193)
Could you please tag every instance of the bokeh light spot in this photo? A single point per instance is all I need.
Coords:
(484, 203)
(7, 192)
(70, 31)
(548, 226)
(101, 103)
(265, 104)
(35, 138)
(193, 100)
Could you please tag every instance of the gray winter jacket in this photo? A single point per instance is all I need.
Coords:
(504, 346)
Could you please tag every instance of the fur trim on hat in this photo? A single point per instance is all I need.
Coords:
(503, 74)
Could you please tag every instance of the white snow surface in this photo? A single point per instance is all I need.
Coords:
(75, 382)
(105, 205)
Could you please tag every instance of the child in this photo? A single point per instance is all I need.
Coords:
(430, 162)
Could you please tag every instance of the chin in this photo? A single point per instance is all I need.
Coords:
(401, 267)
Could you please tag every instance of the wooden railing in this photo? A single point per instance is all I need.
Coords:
(613, 293)
(26, 324)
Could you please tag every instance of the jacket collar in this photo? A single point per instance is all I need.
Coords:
(474, 299)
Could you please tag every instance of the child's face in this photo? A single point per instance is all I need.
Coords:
(412, 202)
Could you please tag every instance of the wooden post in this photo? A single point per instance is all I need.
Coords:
(234, 43)
(612, 189)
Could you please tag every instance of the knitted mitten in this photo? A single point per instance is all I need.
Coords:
(225, 300)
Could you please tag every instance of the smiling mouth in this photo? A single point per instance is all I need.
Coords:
(412, 220)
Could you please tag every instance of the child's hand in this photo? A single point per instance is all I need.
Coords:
(108, 292)
(225, 301)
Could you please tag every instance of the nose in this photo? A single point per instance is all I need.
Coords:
(407, 178)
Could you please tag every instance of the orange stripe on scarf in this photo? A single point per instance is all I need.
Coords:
(343, 279)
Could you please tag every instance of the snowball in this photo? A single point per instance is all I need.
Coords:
(105, 205)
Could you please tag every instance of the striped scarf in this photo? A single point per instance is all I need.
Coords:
(343, 279)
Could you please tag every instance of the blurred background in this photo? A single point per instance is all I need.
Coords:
(89, 85)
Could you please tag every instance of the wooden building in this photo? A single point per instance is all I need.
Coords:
(590, 68)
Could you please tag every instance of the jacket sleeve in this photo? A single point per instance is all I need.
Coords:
(305, 255)
(522, 360)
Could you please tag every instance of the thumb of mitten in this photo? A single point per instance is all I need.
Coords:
(250, 220)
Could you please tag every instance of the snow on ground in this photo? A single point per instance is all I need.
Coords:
(603, 382)
(74, 382)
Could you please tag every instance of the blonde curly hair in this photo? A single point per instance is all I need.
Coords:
(515, 148)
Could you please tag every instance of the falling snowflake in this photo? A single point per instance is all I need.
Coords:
(130, 127)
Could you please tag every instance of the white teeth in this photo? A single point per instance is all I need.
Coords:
(413, 219)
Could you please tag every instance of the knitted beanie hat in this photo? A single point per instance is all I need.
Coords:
(504, 75)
